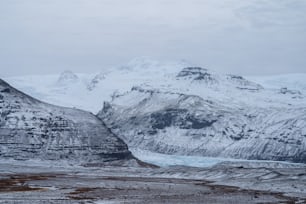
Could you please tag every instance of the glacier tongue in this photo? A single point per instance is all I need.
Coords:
(166, 160)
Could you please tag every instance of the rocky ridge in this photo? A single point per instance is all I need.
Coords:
(31, 129)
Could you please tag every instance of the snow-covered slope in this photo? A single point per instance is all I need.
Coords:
(295, 82)
(177, 108)
(30, 129)
(183, 124)
(88, 91)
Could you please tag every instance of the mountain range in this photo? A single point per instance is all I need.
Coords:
(178, 108)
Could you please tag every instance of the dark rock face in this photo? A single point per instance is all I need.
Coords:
(202, 75)
(33, 129)
(285, 90)
(94, 82)
(180, 118)
(197, 74)
(242, 83)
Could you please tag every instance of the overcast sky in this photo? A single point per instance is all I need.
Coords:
(231, 36)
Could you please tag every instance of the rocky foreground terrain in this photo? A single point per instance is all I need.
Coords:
(242, 182)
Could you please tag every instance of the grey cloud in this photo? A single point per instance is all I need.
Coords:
(274, 13)
(232, 36)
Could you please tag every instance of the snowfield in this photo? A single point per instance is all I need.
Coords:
(89, 91)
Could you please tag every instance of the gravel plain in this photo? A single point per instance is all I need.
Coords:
(224, 183)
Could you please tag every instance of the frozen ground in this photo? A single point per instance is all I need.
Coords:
(227, 182)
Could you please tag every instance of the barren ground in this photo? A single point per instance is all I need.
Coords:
(228, 183)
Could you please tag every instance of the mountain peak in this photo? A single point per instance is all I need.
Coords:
(197, 73)
(242, 83)
(67, 77)
(94, 82)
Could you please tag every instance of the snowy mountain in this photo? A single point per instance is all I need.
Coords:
(178, 108)
(67, 77)
(31, 129)
(184, 124)
(210, 79)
